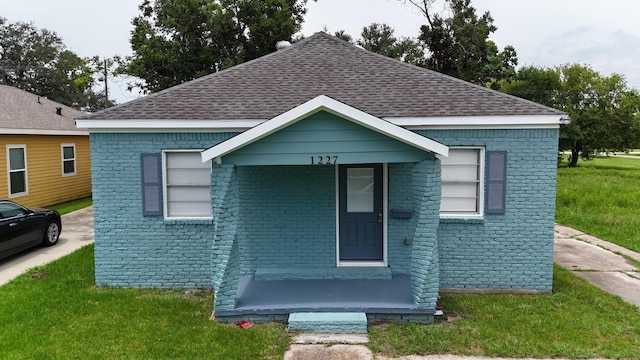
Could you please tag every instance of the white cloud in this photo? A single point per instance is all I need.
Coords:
(604, 50)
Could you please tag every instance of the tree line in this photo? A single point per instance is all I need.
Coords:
(36, 60)
(174, 41)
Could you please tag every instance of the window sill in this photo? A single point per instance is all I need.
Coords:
(462, 220)
(188, 221)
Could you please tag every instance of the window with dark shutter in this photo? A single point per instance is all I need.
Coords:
(151, 184)
(188, 185)
(496, 182)
(460, 182)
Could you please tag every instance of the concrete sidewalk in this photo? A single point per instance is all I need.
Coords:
(599, 262)
(77, 231)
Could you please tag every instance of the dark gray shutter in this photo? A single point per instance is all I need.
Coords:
(496, 182)
(151, 170)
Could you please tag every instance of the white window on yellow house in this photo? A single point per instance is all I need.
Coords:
(68, 159)
(17, 170)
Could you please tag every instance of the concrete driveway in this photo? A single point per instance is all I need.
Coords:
(77, 231)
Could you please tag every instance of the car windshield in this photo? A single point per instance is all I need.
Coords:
(8, 210)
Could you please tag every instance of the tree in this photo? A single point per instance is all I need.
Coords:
(541, 85)
(174, 41)
(36, 60)
(380, 38)
(603, 110)
(341, 34)
(459, 45)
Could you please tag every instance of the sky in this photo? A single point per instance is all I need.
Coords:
(602, 34)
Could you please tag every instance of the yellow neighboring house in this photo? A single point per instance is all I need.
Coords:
(45, 157)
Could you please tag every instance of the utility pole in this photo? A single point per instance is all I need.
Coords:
(106, 86)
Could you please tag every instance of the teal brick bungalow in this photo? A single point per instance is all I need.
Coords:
(326, 178)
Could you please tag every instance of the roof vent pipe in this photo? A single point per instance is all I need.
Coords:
(59, 110)
(281, 45)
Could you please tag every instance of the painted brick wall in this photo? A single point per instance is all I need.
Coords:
(136, 251)
(288, 217)
(400, 197)
(225, 255)
(512, 251)
(424, 256)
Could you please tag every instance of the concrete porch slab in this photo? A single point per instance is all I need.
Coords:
(324, 295)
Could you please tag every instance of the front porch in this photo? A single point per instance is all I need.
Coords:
(312, 190)
(273, 300)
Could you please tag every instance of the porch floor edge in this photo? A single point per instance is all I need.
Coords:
(390, 311)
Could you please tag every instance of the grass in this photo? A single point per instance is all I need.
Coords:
(70, 206)
(577, 320)
(602, 197)
(56, 312)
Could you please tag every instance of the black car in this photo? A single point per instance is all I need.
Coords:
(22, 228)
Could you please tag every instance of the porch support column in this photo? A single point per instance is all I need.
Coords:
(425, 271)
(225, 255)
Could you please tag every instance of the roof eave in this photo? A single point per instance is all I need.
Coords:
(11, 131)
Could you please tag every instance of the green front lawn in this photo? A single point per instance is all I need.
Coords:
(56, 312)
(602, 197)
(576, 321)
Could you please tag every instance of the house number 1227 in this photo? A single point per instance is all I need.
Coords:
(324, 160)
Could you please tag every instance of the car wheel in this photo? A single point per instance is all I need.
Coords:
(51, 234)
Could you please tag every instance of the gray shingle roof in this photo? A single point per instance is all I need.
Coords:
(20, 109)
(322, 65)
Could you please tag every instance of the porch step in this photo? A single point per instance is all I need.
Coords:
(328, 322)
(336, 273)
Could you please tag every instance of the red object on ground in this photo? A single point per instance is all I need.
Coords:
(245, 324)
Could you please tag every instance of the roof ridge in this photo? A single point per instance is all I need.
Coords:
(322, 64)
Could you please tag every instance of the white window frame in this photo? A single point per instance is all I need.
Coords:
(75, 163)
(166, 185)
(9, 171)
(480, 189)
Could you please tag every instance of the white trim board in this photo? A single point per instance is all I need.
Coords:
(479, 121)
(240, 125)
(323, 103)
(158, 125)
(5, 131)
(422, 123)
